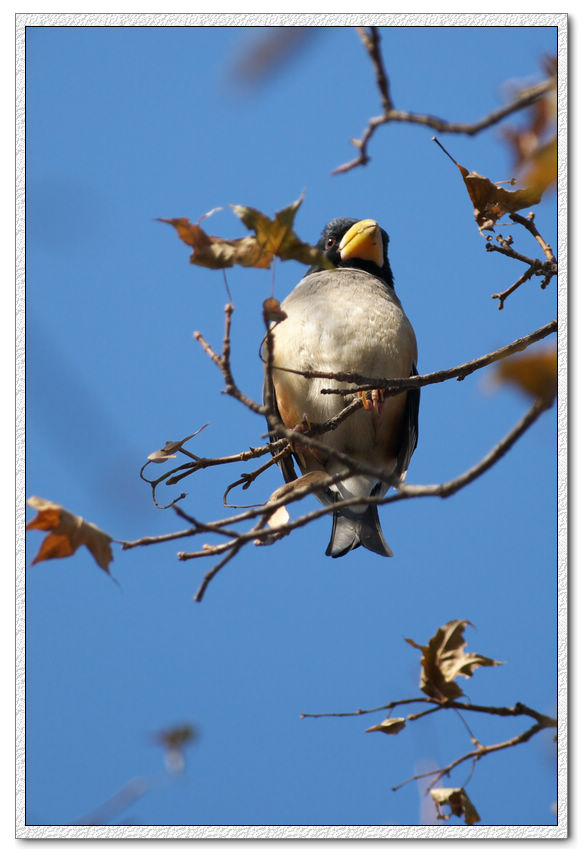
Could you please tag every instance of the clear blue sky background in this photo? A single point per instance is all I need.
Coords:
(128, 124)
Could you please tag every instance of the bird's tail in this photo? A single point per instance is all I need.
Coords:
(355, 528)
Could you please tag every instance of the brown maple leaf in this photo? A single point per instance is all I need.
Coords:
(444, 658)
(491, 200)
(68, 532)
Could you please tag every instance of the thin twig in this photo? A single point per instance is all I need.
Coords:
(502, 295)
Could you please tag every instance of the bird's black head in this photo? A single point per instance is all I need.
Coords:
(356, 243)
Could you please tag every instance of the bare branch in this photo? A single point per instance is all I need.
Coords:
(372, 43)
(390, 114)
(475, 755)
(528, 223)
(224, 365)
(546, 269)
(543, 722)
(498, 451)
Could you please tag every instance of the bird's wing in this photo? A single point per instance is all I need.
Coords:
(286, 463)
(410, 428)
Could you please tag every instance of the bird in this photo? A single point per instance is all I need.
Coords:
(346, 319)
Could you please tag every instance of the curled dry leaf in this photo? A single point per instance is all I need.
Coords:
(391, 726)
(67, 532)
(168, 452)
(444, 658)
(272, 237)
(535, 373)
(491, 200)
(458, 802)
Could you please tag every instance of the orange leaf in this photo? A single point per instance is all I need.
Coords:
(67, 533)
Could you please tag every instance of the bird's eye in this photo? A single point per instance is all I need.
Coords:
(330, 241)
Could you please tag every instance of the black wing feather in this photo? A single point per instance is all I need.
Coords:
(411, 427)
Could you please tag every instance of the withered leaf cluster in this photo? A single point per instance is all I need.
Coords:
(270, 238)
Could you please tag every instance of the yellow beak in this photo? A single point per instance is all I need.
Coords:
(363, 240)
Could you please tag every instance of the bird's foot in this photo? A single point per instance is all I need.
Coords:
(375, 401)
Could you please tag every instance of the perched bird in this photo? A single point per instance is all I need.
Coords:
(350, 320)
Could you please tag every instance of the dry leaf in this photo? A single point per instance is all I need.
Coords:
(168, 452)
(67, 532)
(459, 803)
(491, 200)
(444, 659)
(535, 373)
(391, 726)
(273, 237)
(217, 252)
(276, 236)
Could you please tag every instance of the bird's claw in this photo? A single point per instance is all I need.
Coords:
(375, 401)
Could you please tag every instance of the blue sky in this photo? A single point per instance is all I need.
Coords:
(128, 124)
